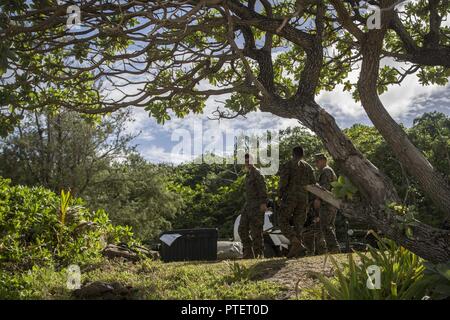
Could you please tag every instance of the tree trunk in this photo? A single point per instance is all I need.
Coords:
(431, 181)
(427, 242)
(390, 224)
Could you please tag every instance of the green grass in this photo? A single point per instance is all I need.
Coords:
(152, 279)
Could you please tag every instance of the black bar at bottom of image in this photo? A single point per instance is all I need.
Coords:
(216, 309)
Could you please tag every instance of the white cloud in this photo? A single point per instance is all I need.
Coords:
(399, 100)
(160, 155)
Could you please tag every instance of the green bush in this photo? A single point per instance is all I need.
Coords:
(343, 188)
(36, 283)
(402, 274)
(39, 228)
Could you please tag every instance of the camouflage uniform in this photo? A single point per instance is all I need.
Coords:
(252, 219)
(327, 211)
(294, 176)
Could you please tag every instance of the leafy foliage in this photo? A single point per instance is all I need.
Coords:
(212, 196)
(403, 276)
(61, 149)
(401, 272)
(239, 272)
(33, 233)
(137, 194)
(343, 188)
(405, 218)
(431, 133)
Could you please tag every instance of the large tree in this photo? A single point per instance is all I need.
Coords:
(430, 47)
(170, 56)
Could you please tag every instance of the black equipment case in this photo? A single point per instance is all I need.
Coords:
(192, 245)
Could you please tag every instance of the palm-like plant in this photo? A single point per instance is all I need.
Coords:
(401, 272)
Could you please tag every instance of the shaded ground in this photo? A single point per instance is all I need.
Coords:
(242, 279)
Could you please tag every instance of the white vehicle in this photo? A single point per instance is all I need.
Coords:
(275, 243)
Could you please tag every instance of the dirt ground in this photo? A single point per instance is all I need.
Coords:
(295, 274)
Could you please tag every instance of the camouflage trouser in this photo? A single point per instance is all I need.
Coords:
(313, 240)
(297, 210)
(327, 219)
(251, 231)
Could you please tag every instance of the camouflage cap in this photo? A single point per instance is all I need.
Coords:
(320, 156)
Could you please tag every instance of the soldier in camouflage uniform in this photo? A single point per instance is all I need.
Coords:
(327, 213)
(294, 176)
(252, 216)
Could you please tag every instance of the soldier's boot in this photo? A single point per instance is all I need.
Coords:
(297, 248)
(331, 241)
(334, 248)
(309, 242)
(259, 253)
(321, 246)
(304, 251)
